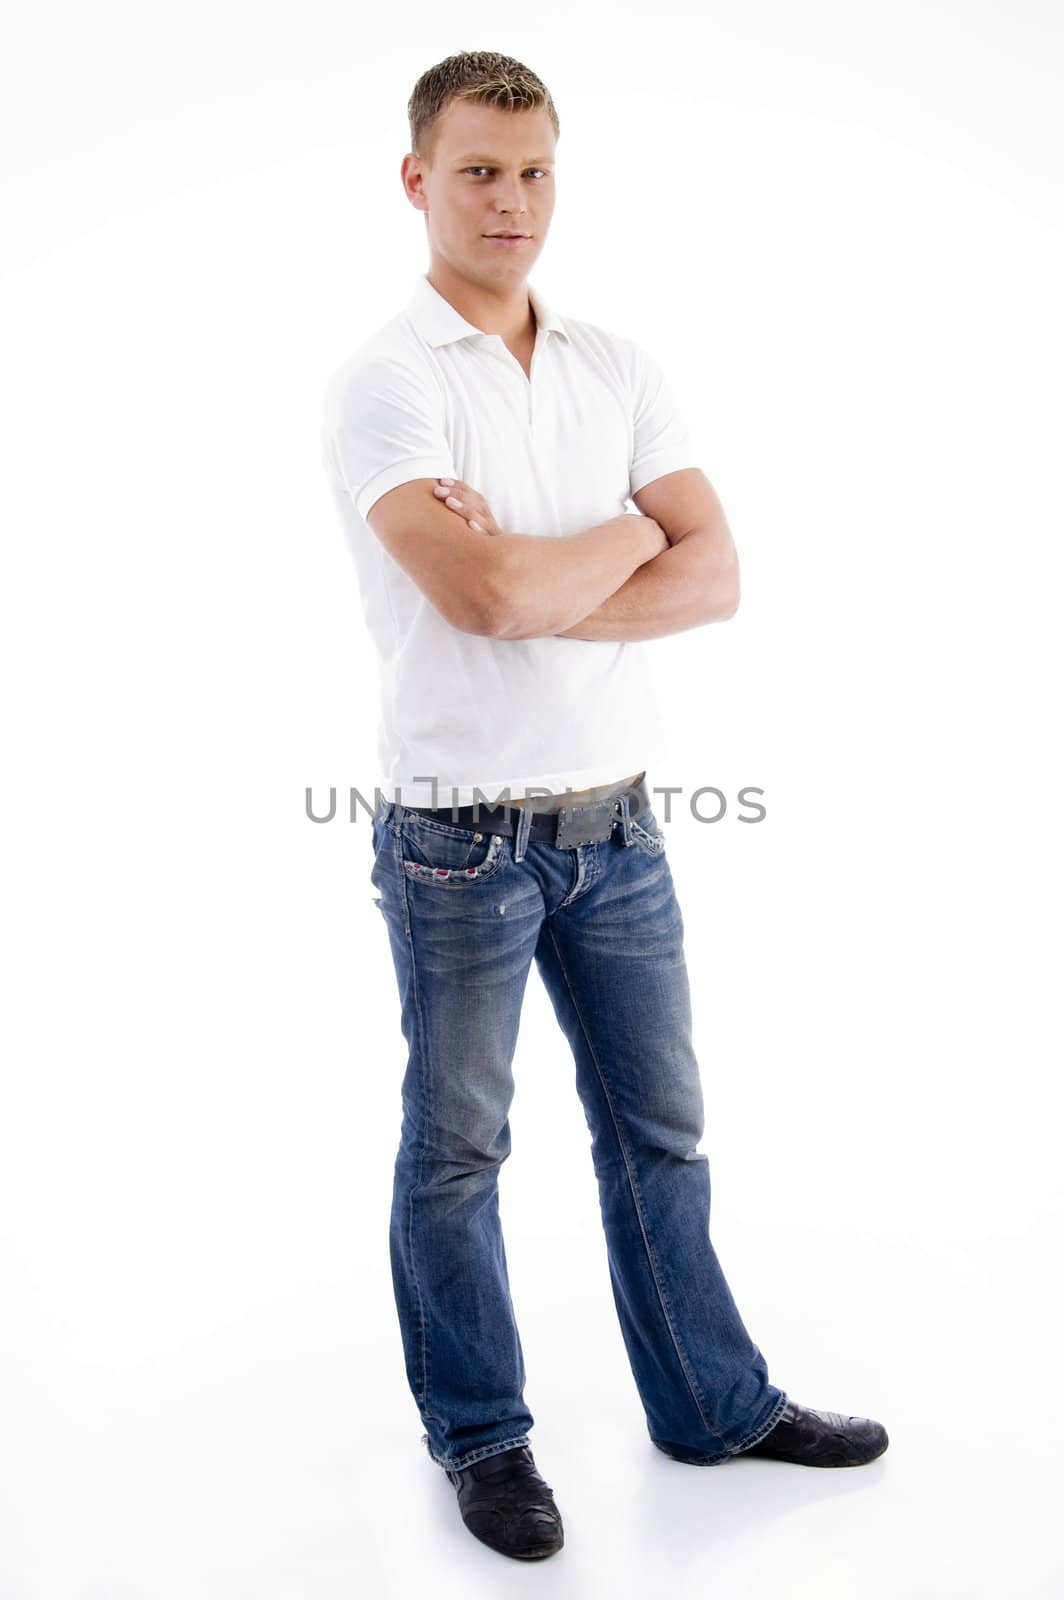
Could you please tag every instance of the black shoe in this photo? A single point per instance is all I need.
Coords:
(506, 1504)
(821, 1438)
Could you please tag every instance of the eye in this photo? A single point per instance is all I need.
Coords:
(492, 169)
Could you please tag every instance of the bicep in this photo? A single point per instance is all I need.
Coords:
(683, 502)
(438, 551)
(686, 506)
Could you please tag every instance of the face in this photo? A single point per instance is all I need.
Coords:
(492, 171)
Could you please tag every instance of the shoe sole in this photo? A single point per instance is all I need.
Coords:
(535, 1554)
(836, 1458)
(522, 1555)
(833, 1459)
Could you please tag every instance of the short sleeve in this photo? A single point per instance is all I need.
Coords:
(383, 425)
(660, 440)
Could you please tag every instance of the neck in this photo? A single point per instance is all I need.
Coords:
(504, 309)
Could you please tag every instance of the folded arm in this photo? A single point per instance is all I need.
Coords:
(506, 585)
(541, 585)
(693, 581)
(633, 577)
(672, 568)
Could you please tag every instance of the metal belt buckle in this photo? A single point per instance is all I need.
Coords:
(587, 824)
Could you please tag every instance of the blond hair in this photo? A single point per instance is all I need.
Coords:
(481, 76)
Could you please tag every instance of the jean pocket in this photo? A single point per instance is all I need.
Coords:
(647, 835)
(437, 853)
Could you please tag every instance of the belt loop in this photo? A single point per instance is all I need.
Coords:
(524, 828)
(624, 801)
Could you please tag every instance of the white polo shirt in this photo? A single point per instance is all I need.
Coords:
(429, 395)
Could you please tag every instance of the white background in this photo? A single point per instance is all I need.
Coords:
(838, 228)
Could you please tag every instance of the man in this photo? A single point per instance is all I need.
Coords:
(482, 451)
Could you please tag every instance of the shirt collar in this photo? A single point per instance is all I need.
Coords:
(437, 321)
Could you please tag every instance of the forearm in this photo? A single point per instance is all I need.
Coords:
(541, 584)
(692, 582)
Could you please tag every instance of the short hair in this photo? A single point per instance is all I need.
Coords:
(481, 76)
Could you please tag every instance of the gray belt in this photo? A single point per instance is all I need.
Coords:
(567, 827)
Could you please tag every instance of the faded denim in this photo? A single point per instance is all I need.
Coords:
(466, 915)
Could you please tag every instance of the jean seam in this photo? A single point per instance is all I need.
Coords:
(583, 881)
(636, 1197)
(753, 1437)
(421, 1045)
(458, 1463)
(757, 1434)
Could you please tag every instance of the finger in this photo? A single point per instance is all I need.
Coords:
(459, 497)
(460, 506)
(471, 506)
(464, 502)
(445, 488)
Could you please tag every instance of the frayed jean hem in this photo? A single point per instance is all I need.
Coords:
(694, 1458)
(457, 1463)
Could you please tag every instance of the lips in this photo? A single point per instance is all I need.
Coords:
(506, 236)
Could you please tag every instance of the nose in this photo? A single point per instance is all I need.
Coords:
(511, 202)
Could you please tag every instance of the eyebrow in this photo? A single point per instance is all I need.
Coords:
(533, 161)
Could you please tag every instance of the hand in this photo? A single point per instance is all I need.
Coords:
(651, 531)
(465, 502)
(661, 538)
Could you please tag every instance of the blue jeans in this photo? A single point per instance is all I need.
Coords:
(466, 914)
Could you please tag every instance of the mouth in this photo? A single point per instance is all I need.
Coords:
(507, 238)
